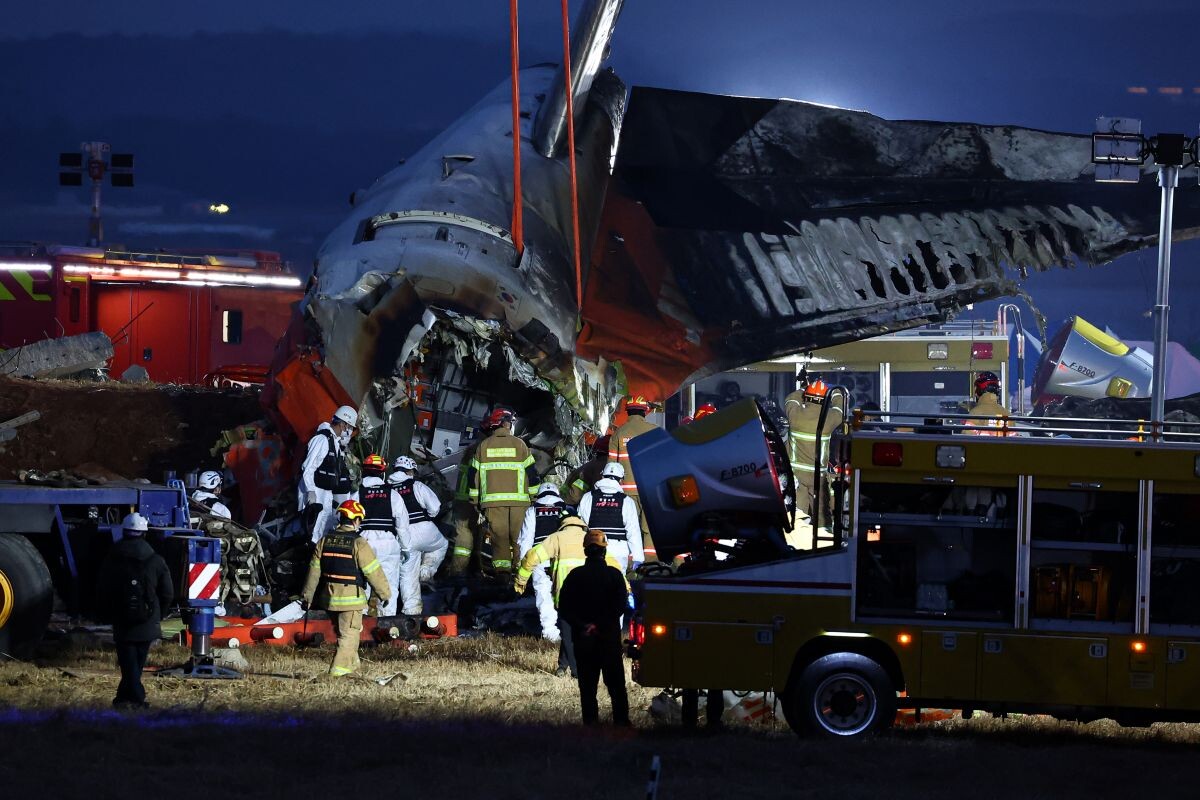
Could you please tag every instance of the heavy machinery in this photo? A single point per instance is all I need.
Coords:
(1049, 574)
(54, 538)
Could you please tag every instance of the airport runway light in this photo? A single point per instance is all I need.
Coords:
(218, 208)
(1119, 149)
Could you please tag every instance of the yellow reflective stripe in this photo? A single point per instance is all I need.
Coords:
(340, 671)
(369, 568)
(528, 462)
(501, 452)
(501, 563)
(491, 465)
(462, 551)
(522, 572)
(489, 497)
(356, 600)
(579, 483)
(805, 437)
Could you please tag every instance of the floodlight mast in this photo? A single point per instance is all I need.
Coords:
(1120, 149)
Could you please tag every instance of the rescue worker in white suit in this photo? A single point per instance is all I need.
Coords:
(424, 544)
(542, 519)
(607, 508)
(324, 476)
(208, 494)
(384, 526)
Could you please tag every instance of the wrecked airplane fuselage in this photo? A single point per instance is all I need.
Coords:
(725, 230)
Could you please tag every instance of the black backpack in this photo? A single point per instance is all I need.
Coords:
(138, 601)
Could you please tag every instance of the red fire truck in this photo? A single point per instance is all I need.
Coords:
(186, 316)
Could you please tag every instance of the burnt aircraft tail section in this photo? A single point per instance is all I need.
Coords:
(738, 229)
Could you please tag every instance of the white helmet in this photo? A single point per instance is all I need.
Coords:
(347, 415)
(548, 489)
(209, 479)
(405, 464)
(135, 523)
(613, 469)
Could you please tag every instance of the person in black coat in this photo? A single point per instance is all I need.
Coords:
(134, 590)
(592, 601)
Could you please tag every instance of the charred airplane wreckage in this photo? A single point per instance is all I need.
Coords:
(713, 231)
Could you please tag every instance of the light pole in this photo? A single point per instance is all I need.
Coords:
(1119, 150)
(95, 159)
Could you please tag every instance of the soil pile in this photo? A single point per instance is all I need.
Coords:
(133, 430)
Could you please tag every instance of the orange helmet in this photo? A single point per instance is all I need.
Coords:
(637, 403)
(350, 511)
(816, 390)
(704, 410)
(374, 463)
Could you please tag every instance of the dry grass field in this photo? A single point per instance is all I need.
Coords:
(486, 718)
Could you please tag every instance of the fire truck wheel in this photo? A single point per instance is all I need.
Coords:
(26, 596)
(841, 694)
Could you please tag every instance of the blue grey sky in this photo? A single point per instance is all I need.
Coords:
(281, 109)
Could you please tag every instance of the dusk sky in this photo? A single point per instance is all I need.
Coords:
(281, 109)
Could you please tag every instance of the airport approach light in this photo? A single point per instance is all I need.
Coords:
(219, 208)
(1119, 150)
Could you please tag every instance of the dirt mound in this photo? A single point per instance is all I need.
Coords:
(137, 431)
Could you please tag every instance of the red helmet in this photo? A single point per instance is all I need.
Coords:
(501, 416)
(637, 403)
(704, 410)
(374, 463)
(987, 382)
(816, 389)
(351, 510)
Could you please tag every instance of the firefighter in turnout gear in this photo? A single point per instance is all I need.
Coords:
(385, 527)
(987, 405)
(803, 408)
(581, 479)
(342, 567)
(464, 517)
(425, 546)
(607, 508)
(324, 475)
(563, 549)
(541, 520)
(636, 425)
(502, 480)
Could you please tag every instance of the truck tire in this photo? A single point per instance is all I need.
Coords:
(841, 695)
(26, 596)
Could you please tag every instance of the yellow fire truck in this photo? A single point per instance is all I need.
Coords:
(1052, 571)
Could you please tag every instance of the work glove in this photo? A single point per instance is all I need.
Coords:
(519, 586)
(633, 567)
(373, 607)
(304, 604)
(311, 498)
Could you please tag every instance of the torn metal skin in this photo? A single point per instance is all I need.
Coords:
(727, 230)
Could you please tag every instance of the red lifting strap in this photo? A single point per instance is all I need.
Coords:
(566, 29)
(518, 225)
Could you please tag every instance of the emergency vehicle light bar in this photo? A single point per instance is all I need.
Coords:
(24, 266)
(176, 275)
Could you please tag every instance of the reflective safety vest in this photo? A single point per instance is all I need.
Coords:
(416, 511)
(377, 503)
(606, 514)
(803, 418)
(501, 467)
(338, 565)
(546, 520)
(332, 474)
